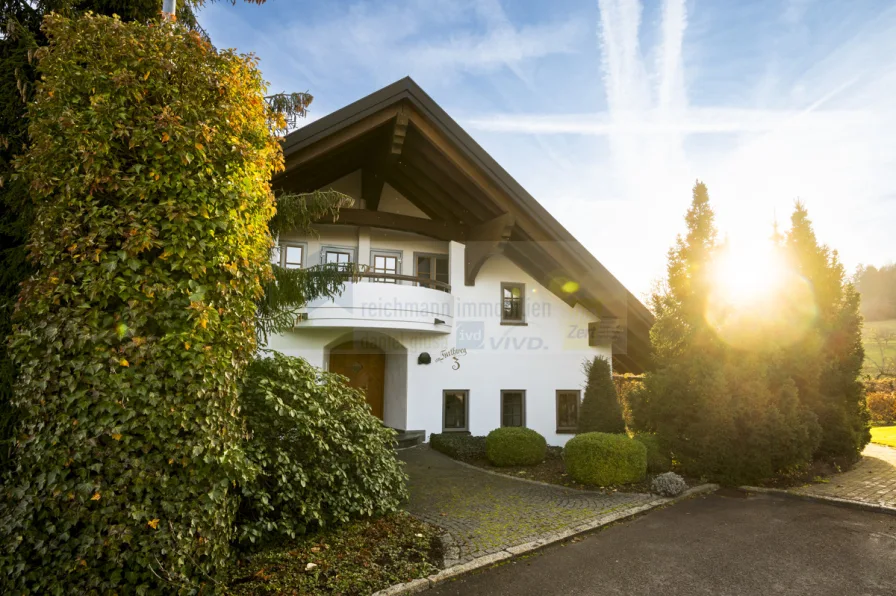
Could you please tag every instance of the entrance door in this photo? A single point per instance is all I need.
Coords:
(365, 368)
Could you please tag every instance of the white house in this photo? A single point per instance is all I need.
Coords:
(472, 308)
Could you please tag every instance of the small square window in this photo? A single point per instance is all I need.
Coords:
(385, 262)
(293, 256)
(513, 408)
(455, 409)
(513, 303)
(568, 410)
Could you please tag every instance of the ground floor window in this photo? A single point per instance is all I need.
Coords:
(456, 405)
(568, 410)
(513, 407)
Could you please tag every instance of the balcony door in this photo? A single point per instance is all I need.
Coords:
(434, 267)
(365, 367)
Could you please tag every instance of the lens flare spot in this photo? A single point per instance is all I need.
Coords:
(757, 300)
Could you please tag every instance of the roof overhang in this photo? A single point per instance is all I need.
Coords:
(400, 136)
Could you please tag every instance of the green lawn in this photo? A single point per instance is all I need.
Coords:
(873, 350)
(885, 435)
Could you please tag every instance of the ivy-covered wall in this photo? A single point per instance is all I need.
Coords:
(148, 166)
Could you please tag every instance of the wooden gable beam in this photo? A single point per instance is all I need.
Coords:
(441, 230)
(485, 239)
(339, 139)
(373, 179)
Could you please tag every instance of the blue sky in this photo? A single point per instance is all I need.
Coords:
(608, 110)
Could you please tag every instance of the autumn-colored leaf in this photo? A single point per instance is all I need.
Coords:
(153, 523)
(116, 436)
(95, 497)
(124, 362)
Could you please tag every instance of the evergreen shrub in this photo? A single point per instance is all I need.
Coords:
(605, 459)
(323, 457)
(659, 460)
(458, 445)
(601, 411)
(515, 446)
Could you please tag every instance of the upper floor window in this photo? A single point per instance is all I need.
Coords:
(513, 408)
(293, 256)
(383, 261)
(434, 267)
(513, 297)
(337, 255)
(568, 410)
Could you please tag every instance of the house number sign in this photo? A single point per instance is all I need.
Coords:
(454, 354)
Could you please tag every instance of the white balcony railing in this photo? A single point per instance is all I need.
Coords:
(376, 300)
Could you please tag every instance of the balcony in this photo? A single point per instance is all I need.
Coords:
(376, 300)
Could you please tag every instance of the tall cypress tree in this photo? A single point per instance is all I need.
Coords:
(834, 344)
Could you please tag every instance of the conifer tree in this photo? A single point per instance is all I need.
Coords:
(726, 414)
(601, 411)
(833, 346)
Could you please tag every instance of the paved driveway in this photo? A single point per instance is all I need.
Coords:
(485, 513)
(714, 546)
(872, 480)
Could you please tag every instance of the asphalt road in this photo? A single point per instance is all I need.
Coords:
(711, 545)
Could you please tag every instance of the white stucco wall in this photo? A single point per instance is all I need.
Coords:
(541, 357)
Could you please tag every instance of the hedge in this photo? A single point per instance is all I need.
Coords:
(604, 459)
(659, 460)
(459, 446)
(514, 446)
(323, 457)
(149, 168)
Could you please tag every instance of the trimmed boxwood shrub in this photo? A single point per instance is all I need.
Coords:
(659, 460)
(458, 445)
(323, 457)
(604, 459)
(149, 167)
(514, 446)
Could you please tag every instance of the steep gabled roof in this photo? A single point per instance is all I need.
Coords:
(401, 136)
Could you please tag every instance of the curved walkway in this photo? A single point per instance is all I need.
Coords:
(486, 513)
(871, 481)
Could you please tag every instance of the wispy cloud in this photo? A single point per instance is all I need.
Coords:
(656, 122)
(434, 40)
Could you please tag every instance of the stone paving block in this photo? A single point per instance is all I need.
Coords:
(872, 480)
(488, 512)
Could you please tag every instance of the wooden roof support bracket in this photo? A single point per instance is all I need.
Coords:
(399, 131)
(483, 241)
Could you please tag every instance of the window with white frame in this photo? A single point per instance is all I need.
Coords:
(568, 410)
(455, 410)
(513, 407)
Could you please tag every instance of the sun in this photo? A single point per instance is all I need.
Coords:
(746, 274)
(757, 300)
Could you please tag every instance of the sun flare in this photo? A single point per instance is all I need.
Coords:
(744, 275)
(757, 299)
